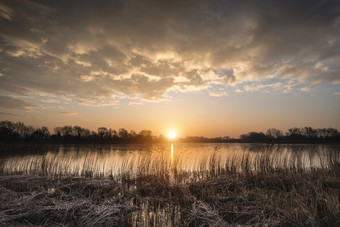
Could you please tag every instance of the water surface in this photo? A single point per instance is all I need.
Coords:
(119, 160)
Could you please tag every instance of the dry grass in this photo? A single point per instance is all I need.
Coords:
(245, 192)
(274, 198)
(74, 201)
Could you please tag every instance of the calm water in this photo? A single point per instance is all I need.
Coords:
(118, 160)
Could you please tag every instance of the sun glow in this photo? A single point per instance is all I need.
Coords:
(172, 135)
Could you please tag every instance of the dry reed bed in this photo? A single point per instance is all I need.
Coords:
(110, 163)
(273, 197)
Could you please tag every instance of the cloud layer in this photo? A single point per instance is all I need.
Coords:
(13, 103)
(96, 52)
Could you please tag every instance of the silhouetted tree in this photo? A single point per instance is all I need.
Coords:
(294, 132)
(161, 138)
(6, 130)
(57, 131)
(21, 130)
(132, 135)
(113, 133)
(309, 132)
(41, 133)
(332, 132)
(145, 135)
(102, 131)
(123, 133)
(254, 137)
(10, 131)
(274, 133)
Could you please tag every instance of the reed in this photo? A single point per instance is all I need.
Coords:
(194, 166)
(254, 190)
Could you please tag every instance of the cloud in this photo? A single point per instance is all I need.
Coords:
(13, 103)
(8, 114)
(68, 113)
(50, 100)
(289, 86)
(218, 93)
(307, 89)
(148, 49)
(239, 91)
(257, 87)
(135, 103)
(6, 12)
(96, 101)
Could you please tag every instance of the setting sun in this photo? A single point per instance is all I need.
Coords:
(172, 135)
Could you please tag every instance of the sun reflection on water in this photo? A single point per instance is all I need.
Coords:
(172, 152)
(172, 166)
(115, 161)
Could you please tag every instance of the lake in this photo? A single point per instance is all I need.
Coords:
(198, 159)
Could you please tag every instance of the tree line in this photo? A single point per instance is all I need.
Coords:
(273, 135)
(14, 132)
(10, 131)
(306, 134)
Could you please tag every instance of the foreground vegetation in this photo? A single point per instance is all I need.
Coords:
(154, 191)
(274, 197)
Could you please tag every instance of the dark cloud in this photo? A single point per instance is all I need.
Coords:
(13, 103)
(85, 50)
(8, 114)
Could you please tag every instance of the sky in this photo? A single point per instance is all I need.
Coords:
(200, 68)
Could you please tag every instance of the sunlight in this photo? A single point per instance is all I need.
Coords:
(172, 135)
(172, 152)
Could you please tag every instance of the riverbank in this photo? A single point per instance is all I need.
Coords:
(277, 197)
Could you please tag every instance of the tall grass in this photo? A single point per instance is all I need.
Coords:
(154, 190)
(191, 163)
